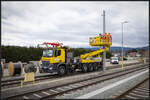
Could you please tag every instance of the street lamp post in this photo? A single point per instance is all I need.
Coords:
(122, 41)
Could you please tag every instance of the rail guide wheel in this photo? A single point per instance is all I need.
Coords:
(15, 68)
(39, 67)
(2, 68)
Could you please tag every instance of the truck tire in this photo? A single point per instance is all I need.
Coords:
(61, 70)
(95, 66)
(84, 68)
(90, 67)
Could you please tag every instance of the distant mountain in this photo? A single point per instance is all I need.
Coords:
(115, 48)
(145, 48)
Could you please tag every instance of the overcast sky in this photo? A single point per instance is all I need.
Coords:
(72, 23)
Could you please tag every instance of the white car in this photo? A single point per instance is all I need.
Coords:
(114, 60)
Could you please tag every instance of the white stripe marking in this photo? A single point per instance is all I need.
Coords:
(25, 97)
(91, 94)
(37, 95)
(46, 93)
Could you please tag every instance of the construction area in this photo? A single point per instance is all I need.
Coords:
(59, 75)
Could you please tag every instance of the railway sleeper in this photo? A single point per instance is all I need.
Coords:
(137, 95)
(140, 93)
(137, 89)
(146, 89)
(130, 97)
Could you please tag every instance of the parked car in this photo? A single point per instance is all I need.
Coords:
(114, 60)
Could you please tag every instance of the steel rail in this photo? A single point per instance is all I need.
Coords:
(139, 91)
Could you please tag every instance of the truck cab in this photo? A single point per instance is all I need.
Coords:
(56, 59)
(51, 58)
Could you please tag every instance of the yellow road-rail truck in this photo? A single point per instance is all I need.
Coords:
(59, 59)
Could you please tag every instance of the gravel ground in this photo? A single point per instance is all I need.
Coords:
(6, 74)
(110, 92)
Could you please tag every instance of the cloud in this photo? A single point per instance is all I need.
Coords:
(30, 23)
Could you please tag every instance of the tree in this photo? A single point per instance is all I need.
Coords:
(132, 50)
(24, 54)
(108, 54)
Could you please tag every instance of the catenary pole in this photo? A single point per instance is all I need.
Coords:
(104, 54)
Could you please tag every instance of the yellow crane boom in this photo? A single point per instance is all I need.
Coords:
(93, 53)
(102, 40)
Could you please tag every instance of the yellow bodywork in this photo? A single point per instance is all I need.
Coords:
(95, 41)
(84, 58)
(54, 59)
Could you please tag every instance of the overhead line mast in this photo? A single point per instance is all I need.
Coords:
(104, 53)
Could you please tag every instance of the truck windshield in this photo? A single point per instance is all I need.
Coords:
(47, 53)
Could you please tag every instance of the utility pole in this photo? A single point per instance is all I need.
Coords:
(104, 53)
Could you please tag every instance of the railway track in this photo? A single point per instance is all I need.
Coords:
(140, 91)
(16, 82)
(50, 92)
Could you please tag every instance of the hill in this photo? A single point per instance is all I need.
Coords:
(115, 48)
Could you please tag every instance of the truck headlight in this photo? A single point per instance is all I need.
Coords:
(50, 68)
(40, 62)
(56, 59)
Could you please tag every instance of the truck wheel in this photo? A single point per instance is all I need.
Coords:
(95, 66)
(90, 68)
(84, 68)
(61, 70)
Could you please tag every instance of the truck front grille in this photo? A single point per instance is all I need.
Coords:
(45, 63)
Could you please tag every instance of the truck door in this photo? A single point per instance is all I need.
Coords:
(60, 54)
